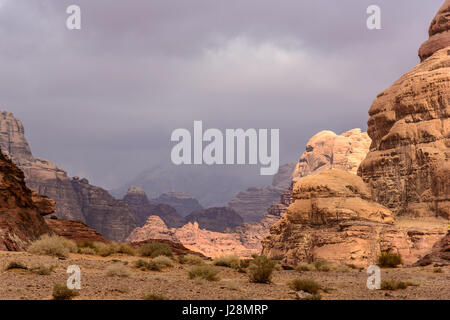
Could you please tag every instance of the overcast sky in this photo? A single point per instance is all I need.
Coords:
(102, 102)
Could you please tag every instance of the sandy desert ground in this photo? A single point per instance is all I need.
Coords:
(173, 283)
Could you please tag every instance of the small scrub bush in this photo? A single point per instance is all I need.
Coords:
(87, 250)
(229, 261)
(260, 269)
(53, 246)
(389, 260)
(191, 259)
(43, 270)
(163, 261)
(205, 272)
(152, 296)
(104, 249)
(117, 270)
(16, 265)
(154, 249)
(148, 265)
(307, 285)
(322, 265)
(438, 270)
(61, 292)
(393, 284)
(304, 267)
(126, 249)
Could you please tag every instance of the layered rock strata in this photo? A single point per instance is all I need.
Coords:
(75, 230)
(216, 219)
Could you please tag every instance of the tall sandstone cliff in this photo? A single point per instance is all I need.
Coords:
(408, 168)
(21, 210)
(75, 198)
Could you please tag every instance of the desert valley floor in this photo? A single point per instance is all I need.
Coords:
(173, 283)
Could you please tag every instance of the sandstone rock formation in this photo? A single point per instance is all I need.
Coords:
(211, 244)
(439, 33)
(74, 230)
(183, 203)
(407, 167)
(154, 228)
(216, 219)
(253, 203)
(439, 254)
(330, 218)
(107, 215)
(327, 150)
(74, 199)
(142, 208)
(21, 219)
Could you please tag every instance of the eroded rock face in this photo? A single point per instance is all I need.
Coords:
(74, 198)
(154, 228)
(407, 167)
(253, 203)
(75, 230)
(327, 150)
(183, 203)
(142, 208)
(107, 215)
(21, 218)
(216, 219)
(332, 217)
(440, 253)
(439, 33)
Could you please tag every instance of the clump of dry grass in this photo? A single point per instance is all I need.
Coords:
(306, 285)
(153, 296)
(154, 249)
(61, 292)
(117, 270)
(53, 246)
(393, 284)
(205, 272)
(322, 266)
(191, 259)
(229, 261)
(163, 261)
(16, 265)
(43, 270)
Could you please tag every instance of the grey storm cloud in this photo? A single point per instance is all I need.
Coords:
(102, 102)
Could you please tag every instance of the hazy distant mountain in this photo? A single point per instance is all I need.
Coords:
(212, 186)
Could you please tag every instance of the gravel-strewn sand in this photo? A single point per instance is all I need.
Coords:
(174, 283)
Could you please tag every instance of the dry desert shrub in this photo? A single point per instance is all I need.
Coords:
(163, 261)
(43, 270)
(306, 285)
(117, 270)
(191, 259)
(153, 296)
(126, 249)
(53, 246)
(205, 272)
(16, 265)
(389, 260)
(393, 284)
(260, 269)
(322, 266)
(229, 261)
(61, 292)
(154, 249)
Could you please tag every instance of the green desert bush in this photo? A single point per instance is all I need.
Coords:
(117, 270)
(389, 260)
(154, 249)
(205, 272)
(307, 285)
(16, 265)
(104, 249)
(148, 265)
(393, 284)
(53, 246)
(260, 269)
(153, 296)
(61, 292)
(229, 261)
(191, 259)
(322, 265)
